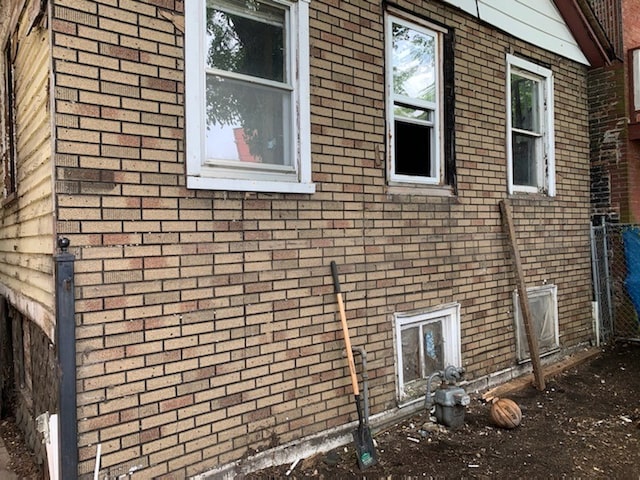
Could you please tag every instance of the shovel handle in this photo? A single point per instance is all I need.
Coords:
(345, 330)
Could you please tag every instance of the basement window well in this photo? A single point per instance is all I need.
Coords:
(426, 341)
(543, 304)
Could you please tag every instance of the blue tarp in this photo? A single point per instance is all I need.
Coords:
(632, 254)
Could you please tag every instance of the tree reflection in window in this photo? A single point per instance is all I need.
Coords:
(526, 134)
(247, 86)
(413, 63)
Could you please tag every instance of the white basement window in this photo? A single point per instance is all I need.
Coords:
(543, 304)
(426, 341)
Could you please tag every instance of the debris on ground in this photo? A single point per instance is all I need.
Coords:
(585, 424)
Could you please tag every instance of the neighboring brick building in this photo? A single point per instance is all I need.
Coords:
(615, 117)
(381, 137)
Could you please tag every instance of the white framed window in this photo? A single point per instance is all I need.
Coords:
(543, 305)
(247, 95)
(530, 132)
(415, 102)
(426, 342)
(634, 53)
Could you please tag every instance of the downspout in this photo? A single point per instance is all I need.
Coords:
(66, 343)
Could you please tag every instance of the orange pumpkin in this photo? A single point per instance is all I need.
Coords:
(506, 413)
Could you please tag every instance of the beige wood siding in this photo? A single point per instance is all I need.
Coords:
(26, 221)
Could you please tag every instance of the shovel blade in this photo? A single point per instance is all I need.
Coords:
(365, 450)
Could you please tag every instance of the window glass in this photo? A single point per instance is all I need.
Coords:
(525, 155)
(247, 117)
(543, 307)
(414, 69)
(525, 103)
(433, 347)
(246, 38)
(411, 354)
(420, 361)
(246, 122)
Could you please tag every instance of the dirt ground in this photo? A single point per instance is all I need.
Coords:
(22, 460)
(585, 424)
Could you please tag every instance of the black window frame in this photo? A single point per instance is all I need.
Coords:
(10, 152)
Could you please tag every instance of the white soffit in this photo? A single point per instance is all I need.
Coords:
(535, 21)
(468, 6)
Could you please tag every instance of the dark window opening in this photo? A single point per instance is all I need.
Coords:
(413, 149)
(9, 153)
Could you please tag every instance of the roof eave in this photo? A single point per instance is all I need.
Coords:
(587, 31)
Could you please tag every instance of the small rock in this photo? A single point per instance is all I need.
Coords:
(430, 427)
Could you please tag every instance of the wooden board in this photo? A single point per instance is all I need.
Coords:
(532, 338)
(552, 370)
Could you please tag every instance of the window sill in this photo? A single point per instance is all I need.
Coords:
(544, 354)
(413, 402)
(9, 199)
(531, 196)
(420, 189)
(206, 183)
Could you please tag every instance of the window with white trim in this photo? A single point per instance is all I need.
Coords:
(247, 95)
(419, 79)
(426, 342)
(530, 135)
(543, 305)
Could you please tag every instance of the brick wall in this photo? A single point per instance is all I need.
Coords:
(631, 10)
(608, 134)
(207, 326)
(615, 171)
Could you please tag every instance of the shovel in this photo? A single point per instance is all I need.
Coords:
(362, 435)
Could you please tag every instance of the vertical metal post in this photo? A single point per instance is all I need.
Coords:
(595, 278)
(607, 281)
(66, 342)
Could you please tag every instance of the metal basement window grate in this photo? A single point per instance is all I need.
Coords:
(543, 303)
(426, 341)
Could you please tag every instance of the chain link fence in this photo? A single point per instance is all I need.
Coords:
(615, 255)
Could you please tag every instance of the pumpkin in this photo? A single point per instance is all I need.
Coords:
(505, 413)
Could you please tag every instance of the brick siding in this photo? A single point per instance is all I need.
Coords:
(207, 326)
(615, 169)
(608, 132)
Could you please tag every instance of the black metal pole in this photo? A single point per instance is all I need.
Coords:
(66, 341)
